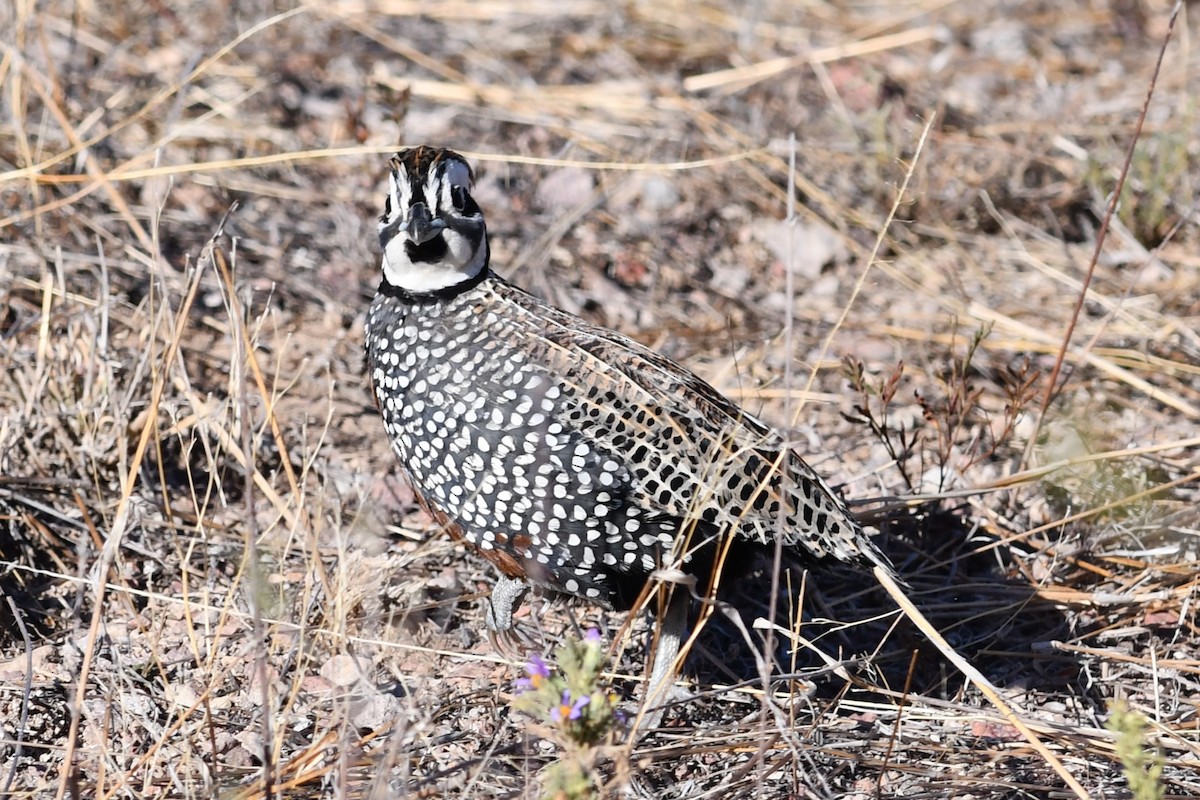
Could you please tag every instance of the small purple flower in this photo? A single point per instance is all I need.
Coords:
(538, 672)
(592, 637)
(567, 710)
(618, 714)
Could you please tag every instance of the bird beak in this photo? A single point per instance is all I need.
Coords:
(422, 226)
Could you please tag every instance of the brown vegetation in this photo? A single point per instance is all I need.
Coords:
(212, 576)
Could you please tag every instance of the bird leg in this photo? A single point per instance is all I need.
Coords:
(506, 598)
(672, 629)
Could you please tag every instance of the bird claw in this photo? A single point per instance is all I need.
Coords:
(510, 644)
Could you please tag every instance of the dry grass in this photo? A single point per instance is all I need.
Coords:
(213, 578)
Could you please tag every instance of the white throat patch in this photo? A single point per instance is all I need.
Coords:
(422, 277)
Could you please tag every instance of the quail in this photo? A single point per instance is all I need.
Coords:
(568, 455)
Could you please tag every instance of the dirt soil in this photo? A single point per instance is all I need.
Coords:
(875, 225)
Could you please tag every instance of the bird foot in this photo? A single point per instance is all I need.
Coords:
(498, 615)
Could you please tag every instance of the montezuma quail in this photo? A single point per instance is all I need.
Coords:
(571, 456)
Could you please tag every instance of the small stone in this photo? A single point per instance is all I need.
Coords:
(341, 670)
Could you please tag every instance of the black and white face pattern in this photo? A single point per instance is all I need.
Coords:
(432, 233)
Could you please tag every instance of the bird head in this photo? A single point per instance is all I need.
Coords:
(432, 233)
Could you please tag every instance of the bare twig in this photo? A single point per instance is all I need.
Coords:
(1052, 386)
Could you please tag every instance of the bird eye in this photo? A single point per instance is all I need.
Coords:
(463, 202)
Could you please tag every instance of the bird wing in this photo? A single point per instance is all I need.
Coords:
(695, 455)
